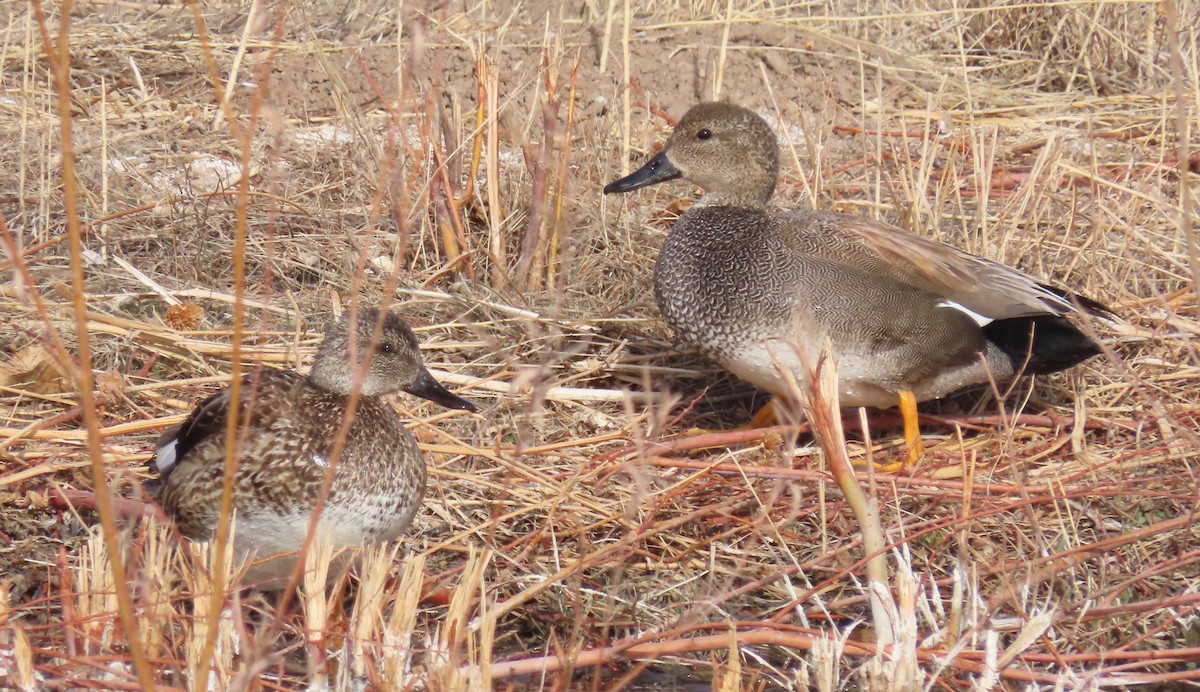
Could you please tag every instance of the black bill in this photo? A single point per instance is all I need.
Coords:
(426, 387)
(657, 170)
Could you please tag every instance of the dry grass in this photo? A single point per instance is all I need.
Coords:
(451, 155)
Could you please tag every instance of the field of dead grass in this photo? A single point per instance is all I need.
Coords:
(235, 173)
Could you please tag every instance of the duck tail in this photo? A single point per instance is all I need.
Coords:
(1082, 303)
(1040, 344)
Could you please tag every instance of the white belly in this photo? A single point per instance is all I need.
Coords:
(863, 380)
(269, 541)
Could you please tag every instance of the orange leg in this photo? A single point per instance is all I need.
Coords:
(778, 411)
(765, 418)
(912, 433)
(769, 415)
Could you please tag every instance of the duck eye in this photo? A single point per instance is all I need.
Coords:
(387, 348)
(704, 134)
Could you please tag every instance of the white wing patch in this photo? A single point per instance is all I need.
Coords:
(164, 456)
(980, 320)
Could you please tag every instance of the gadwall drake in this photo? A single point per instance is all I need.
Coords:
(287, 427)
(909, 318)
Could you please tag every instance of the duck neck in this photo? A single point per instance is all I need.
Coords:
(338, 378)
(334, 383)
(749, 194)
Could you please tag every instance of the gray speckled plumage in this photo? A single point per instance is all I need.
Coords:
(750, 286)
(288, 424)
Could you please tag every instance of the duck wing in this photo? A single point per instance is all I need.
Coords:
(987, 290)
(209, 417)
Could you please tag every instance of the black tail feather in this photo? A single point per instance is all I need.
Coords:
(1042, 343)
(1093, 307)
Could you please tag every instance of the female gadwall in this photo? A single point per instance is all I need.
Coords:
(909, 318)
(288, 426)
